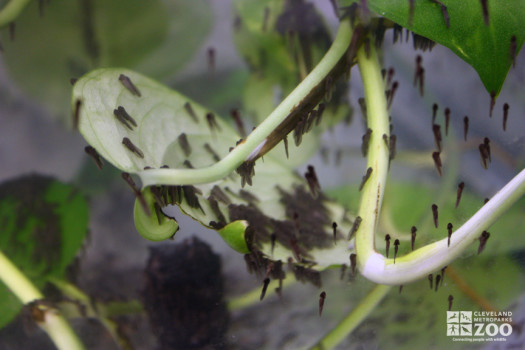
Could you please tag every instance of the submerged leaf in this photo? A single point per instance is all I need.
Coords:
(284, 219)
(44, 223)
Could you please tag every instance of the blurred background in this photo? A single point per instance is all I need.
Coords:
(171, 42)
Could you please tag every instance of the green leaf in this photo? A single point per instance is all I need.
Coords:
(486, 48)
(148, 226)
(44, 223)
(233, 234)
(72, 37)
(172, 130)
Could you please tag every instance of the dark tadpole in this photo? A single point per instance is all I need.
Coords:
(436, 129)
(396, 247)
(184, 144)
(437, 162)
(211, 59)
(355, 227)
(238, 122)
(313, 182)
(191, 112)
(130, 146)
(387, 241)
(435, 215)
(322, 298)
(366, 142)
(413, 231)
(94, 154)
(266, 282)
(76, 114)
(483, 241)
(492, 102)
(465, 127)
(435, 108)
(128, 84)
(353, 262)
(513, 50)
(485, 10)
(365, 178)
(505, 115)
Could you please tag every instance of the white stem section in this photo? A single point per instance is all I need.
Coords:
(435, 256)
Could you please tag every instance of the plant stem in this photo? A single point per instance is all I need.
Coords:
(53, 323)
(101, 311)
(354, 318)
(378, 153)
(255, 141)
(433, 257)
(11, 11)
(253, 296)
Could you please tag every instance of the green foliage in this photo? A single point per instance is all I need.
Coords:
(73, 37)
(153, 227)
(162, 116)
(44, 223)
(486, 48)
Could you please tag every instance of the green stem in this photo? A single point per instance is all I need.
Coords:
(101, 311)
(11, 11)
(252, 297)
(378, 153)
(431, 257)
(53, 323)
(249, 149)
(354, 318)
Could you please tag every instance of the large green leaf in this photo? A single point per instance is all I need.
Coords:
(168, 133)
(486, 48)
(72, 37)
(44, 223)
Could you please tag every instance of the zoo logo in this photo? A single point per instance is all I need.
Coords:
(460, 323)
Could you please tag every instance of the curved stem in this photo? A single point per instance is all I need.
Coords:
(354, 318)
(432, 257)
(249, 149)
(11, 11)
(53, 323)
(378, 153)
